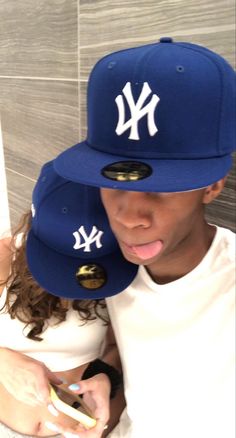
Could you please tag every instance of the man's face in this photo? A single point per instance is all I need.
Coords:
(153, 227)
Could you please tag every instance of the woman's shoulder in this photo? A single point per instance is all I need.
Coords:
(5, 246)
(6, 253)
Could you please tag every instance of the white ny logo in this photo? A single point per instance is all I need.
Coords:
(94, 236)
(136, 111)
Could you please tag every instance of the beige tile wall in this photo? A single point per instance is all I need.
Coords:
(47, 49)
(4, 208)
(39, 103)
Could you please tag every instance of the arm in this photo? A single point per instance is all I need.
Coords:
(96, 393)
(111, 354)
(112, 357)
(25, 378)
(5, 260)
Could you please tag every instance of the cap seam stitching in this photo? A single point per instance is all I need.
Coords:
(216, 64)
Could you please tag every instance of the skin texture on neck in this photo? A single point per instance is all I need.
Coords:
(190, 253)
(173, 223)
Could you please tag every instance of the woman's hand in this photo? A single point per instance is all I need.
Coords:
(96, 394)
(25, 378)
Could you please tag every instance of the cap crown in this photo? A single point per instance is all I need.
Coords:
(162, 101)
(69, 217)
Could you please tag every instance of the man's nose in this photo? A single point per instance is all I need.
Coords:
(132, 211)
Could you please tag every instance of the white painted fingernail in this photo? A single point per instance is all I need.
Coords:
(74, 387)
(53, 410)
(51, 426)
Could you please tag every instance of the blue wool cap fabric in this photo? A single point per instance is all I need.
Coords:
(170, 106)
(70, 231)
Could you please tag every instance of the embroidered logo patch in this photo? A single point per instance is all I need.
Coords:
(93, 237)
(137, 111)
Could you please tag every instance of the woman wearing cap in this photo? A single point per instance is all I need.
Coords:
(53, 337)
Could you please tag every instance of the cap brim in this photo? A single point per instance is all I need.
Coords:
(82, 163)
(56, 273)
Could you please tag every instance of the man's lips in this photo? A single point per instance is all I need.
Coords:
(145, 251)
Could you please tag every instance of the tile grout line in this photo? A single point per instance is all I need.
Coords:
(20, 174)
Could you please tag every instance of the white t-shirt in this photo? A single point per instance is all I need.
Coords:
(64, 346)
(177, 346)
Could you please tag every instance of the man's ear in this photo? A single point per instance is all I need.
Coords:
(211, 192)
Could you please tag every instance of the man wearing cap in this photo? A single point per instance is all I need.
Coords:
(161, 131)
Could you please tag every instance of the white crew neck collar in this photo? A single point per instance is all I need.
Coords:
(207, 262)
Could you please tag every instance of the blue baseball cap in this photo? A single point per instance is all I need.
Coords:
(71, 250)
(161, 117)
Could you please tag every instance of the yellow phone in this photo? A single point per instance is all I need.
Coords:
(72, 404)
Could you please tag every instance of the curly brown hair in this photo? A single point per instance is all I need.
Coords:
(31, 304)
